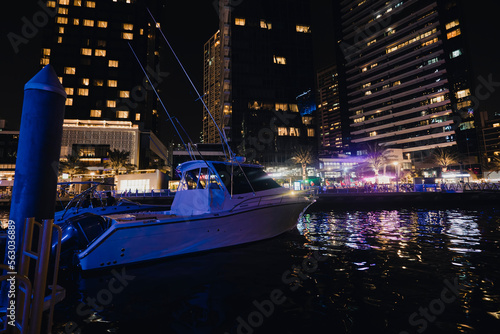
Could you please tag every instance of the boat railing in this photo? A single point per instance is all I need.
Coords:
(147, 193)
(268, 200)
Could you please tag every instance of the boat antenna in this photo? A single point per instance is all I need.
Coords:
(158, 96)
(221, 133)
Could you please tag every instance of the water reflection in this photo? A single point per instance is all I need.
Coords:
(377, 268)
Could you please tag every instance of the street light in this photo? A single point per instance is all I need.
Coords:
(396, 166)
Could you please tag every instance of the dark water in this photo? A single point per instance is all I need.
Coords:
(397, 271)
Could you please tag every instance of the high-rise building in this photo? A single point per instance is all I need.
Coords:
(266, 74)
(212, 90)
(87, 43)
(329, 112)
(407, 75)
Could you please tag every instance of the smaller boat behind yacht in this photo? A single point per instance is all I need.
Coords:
(217, 204)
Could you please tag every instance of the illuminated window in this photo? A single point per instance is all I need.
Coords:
(44, 61)
(127, 35)
(373, 133)
(64, 2)
(77, 3)
(69, 91)
(69, 70)
(85, 81)
(102, 24)
(359, 120)
(368, 92)
(137, 117)
(279, 60)
(60, 79)
(310, 132)
(83, 91)
(122, 114)
(239, 21)
(61, 30)
(437, 99)
(46, 52)
(99, 53)
(429, 42)
(453, 33)
(63, 11)
(86, 52)
(90, 4)
(307, 120)
(452, 24)
(265, 25)
(128, 26)
(112, 83)
(456, 53)
(111, 103)
(95, 113)
(282, 131)
(98, 82)
(124, 94)
(294, 132)
(281, 106)
(464, 104)
(462, 93)
(51, 4)
(62, 20)
(396, 83)
(88, 23)
(371, 42)
(69, 101)
(113, 63)
(76, 22)
(293, 107)
(303, 29)
(414, 39)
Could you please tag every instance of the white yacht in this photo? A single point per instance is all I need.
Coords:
(217, 204)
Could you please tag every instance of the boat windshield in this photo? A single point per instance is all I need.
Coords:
(257, 177)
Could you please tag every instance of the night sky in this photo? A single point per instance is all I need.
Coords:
(189, 24)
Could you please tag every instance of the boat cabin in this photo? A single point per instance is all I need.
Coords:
(205, 187)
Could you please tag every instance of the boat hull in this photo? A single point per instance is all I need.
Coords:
(148, 239)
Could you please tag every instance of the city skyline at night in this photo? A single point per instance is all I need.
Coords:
(179, 97)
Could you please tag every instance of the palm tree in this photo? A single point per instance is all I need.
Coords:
(71, 165)
(444, 157)
(304, 156)
(491, 165)
(118, 160)
(376, 157)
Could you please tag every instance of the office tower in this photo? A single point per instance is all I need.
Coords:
(87, 44)
(407, 77)
(266, 67)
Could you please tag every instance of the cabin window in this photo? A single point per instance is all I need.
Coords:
(257, 177)
(198, 179)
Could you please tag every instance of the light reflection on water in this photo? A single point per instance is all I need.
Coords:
(382, 266)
